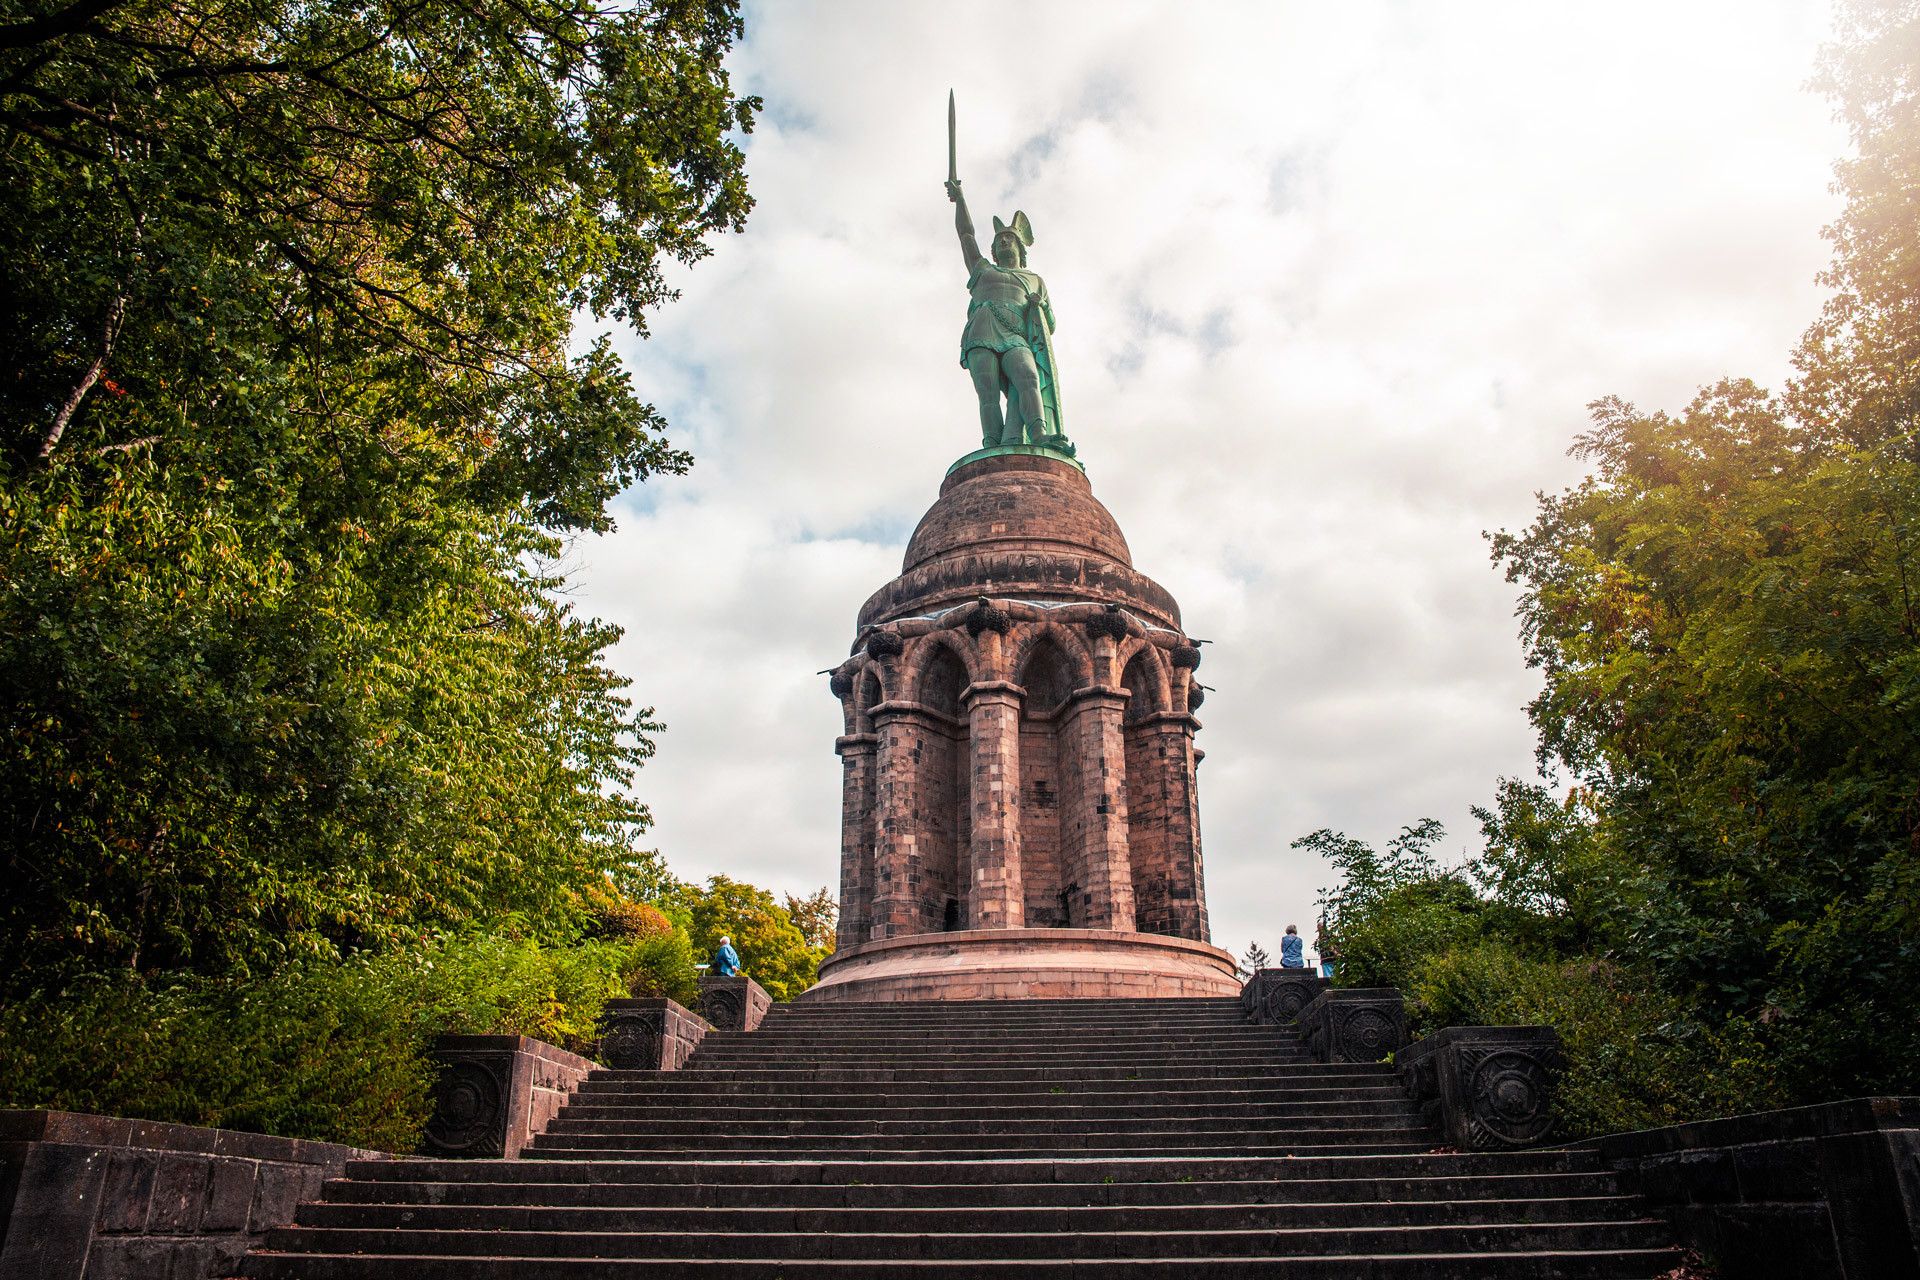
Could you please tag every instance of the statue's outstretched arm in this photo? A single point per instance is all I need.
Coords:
(963, 224)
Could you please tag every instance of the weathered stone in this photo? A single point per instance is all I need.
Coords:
(654, 1034)
(733, 1004)
(1830, 1190)
(1362, 1024)
(1487, 1088)
(1275, 997)
(1024, 760)
(494, 1093)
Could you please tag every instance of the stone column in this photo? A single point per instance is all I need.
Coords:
(1098, 715)
(856, 752)
(1168, 743)
(996, 897)
(896, 854)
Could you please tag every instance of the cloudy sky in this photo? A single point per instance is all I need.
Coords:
(1334, 285)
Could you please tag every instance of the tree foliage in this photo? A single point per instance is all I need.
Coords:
(296, 419)
(773, 950)
(1724, 909)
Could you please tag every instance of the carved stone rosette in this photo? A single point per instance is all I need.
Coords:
(1488, 1088)
(1275, 997)
(470, 1105)
(1359, 1025)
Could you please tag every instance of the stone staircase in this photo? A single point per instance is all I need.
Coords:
(1125, 1138)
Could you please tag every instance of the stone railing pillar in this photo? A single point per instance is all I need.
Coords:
(1487, 1088)
(651, 1034)
(857, 813)
(1098, 714)
(1275, 997)
(1361, 1024)
(496, 1094)
(733, 1004)
(996, 892)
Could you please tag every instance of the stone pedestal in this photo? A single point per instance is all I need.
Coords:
(652, 1034)
(1362, 1024)
(1486, 1088)
(1018, 751)
(1275, 997)
(1026, 964)
(733, 1004)
(496, 1093)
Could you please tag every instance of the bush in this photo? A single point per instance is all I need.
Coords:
(332, 1050)
(1636, 1059)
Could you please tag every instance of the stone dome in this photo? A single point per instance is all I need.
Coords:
(1020, 526)
(1016, 502)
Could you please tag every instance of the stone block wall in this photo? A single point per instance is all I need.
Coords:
(86, 1197)
(1486, 1088)
(1356, 1024)
(495, 1094)
(1276, 997)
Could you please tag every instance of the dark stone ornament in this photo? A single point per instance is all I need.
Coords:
(885, 644)
(467, 1104)
(1487, 1088)
(1369, 1033)
(1195, 696)
(841, 682)
(1510, 1095)
(984, 617)
(1186, 656)
(1275, 997)
(1356, 1024)
(1109, 622)
(724, 1006)
(630, 1040)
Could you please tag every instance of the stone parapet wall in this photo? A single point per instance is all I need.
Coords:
(733, 1004)
(86, 1197)
(1831, 1191)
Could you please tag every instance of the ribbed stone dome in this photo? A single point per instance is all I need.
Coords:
(1018, 502)
(1024, 526)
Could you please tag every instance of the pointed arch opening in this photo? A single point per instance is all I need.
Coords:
(945, 807)
(1050, 820)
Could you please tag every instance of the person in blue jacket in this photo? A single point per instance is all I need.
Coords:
(726, 961)
(1293, 950)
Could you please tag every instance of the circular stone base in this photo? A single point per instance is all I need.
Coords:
(1026, 964)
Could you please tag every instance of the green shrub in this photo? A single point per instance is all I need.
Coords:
(1636, 1059)
(333, 1050)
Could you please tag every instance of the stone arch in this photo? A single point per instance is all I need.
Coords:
(1071, 644)
(925, 663)
(1144, 674)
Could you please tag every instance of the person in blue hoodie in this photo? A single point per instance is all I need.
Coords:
(1293, 950)
(726, 961)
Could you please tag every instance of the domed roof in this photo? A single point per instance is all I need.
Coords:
(1016, 502)
(1025, 526)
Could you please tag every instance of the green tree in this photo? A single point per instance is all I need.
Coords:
(815, 916)
(296, 419)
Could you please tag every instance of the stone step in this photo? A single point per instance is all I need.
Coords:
(867, 1152)
(1103, 1170)
(989, 1077)
(1606, 1264)
(1027, 1111)
(806, 1032)
(1018, 1220)
(860, 1193)
(1404, 1119)
(715, 1090)
(899, 1246)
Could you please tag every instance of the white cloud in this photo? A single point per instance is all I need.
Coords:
(1334, 285)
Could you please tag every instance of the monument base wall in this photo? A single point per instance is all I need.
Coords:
(1026, 964)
